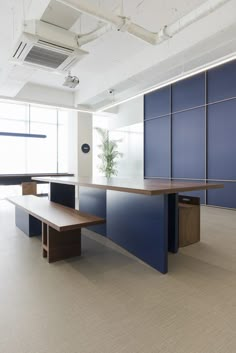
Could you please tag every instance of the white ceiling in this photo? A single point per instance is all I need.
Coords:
(116, 60)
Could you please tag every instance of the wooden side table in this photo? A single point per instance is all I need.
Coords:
(189, 220)
(29, 188)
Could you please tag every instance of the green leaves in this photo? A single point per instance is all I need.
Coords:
(108, 154)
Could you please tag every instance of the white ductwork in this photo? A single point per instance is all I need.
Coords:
(122, 23)
(200, 12)
(98, 32)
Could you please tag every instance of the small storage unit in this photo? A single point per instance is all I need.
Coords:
(29, 188)
(189, 220)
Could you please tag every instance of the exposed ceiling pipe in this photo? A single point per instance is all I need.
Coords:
(119, 22)
(98, 32)
(96, 12)
(122, 23)
(200, 12)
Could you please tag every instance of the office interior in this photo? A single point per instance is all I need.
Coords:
(151, 266)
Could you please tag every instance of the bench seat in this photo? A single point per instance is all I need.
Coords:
(61, 225)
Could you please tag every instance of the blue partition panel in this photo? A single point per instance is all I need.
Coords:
(222, 82)
(188, 144)
(157, 103)
(93, 201)
(188, 93)
(139, 223)
(222, 140)
(157, 147)
(225, 197)
(63, 194)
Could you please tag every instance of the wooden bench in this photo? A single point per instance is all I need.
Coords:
(61, 226)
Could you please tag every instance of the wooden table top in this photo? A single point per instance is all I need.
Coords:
(17, 179)
(137, 186)
(35, 175)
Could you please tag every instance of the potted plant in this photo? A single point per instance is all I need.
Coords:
(109, 153)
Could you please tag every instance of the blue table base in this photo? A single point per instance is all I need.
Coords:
(93, 201)
(28, 224)
(146, 226)
(139, 224)
(63, 194)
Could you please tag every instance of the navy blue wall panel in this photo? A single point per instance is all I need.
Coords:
(225, 197)
(188, 152)
(188, 144)
(222, 82)
(157, 147)
(222, 140)
(188, 93)
(157, 103)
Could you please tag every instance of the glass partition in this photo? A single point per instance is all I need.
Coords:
(130, 145)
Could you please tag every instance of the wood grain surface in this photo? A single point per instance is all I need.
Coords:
(138, 186)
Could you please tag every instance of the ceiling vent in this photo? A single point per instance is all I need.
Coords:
(48, 47)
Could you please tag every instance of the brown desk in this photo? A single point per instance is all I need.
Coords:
(17, 179)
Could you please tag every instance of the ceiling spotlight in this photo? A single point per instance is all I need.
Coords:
(71, 81)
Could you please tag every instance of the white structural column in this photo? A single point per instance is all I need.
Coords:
(85, 135)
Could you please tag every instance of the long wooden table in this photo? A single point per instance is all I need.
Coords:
(141, 215)
(17, 179)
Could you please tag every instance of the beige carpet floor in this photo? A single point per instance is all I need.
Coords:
(109, 302)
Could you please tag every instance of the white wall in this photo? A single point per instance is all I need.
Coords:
(85, 132)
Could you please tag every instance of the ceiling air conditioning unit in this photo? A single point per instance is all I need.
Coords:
(48, 47)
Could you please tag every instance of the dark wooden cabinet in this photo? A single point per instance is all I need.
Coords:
(189, 220)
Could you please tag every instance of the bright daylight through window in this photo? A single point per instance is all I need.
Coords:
(24, 155)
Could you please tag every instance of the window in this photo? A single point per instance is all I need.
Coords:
(21, 155)
(42, 153)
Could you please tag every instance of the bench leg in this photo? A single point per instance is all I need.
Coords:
(44, 239)
(60, 245)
